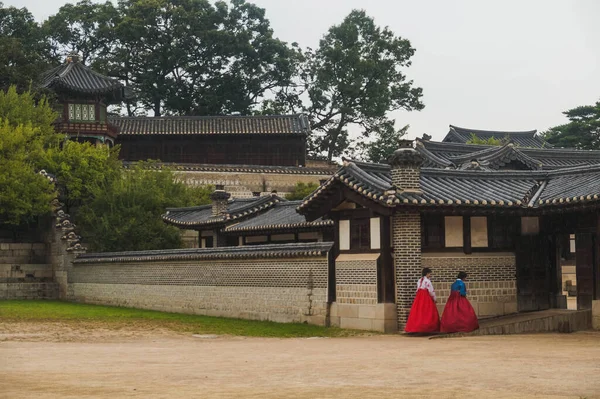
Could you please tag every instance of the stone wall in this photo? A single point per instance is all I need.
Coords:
(491, 285)
(289, 288)
(25, 272)
(596, 314)
(243, 184)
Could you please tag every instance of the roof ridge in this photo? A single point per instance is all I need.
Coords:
(200, 117)
(509, 132)
(190, 208)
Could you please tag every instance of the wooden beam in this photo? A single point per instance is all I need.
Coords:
(467, 235)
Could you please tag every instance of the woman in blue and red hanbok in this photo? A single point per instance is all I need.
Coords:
(424, 316)
(459, 315)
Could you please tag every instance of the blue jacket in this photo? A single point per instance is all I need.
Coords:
(459, 286)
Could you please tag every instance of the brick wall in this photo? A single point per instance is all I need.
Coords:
(289, 289)
(406, 236)
(356, 281)
(491, 285)
(406, 178)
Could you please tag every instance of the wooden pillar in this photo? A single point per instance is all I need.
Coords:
(385, 270)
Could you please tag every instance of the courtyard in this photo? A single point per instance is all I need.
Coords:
(85, 359)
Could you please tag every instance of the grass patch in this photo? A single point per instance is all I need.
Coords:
(118, 317)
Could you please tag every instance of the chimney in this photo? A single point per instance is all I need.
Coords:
(406, 167)
(219, 200)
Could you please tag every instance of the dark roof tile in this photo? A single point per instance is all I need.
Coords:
(76, 77)
(201, 216)
(248, 252)
(282, 216)
(524, 139)
(209, 125)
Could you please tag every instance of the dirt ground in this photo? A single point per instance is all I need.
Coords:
(43, 360)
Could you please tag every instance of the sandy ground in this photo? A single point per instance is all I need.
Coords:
(43, 360)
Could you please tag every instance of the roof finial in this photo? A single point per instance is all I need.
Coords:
(73, 57)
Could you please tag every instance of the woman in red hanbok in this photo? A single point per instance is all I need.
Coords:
(459, 315)
(424, 316)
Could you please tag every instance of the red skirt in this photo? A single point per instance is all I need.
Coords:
(458, 315)
(423, 316)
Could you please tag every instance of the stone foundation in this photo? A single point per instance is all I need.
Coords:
(596, 314)
(379, 317)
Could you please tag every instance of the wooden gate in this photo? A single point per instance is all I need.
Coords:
(584, 267)
(533, 273)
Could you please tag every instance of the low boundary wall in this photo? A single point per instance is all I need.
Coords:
(284, 283)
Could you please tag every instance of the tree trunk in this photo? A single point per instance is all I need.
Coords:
(157, 107)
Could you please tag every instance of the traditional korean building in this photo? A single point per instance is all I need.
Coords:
(512, 229)
(267, 219)
(528, 138)
(246, 154)
(84, 96)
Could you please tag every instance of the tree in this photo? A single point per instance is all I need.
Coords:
(24, 133)
(489, 141)
(386, 142)
(582, 131)
(184, 57)
(355, 77)
(24, 51)
(301, 191)
(80, 168)
(125, 214)
(85, 28)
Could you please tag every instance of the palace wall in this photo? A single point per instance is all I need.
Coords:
(285, 289)
(25, 272)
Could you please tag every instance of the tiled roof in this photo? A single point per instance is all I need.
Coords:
(571, 186)
(201, 216)
(549, 158)
(524, 139)
(194, 125)
(442, 187)
(76, 77)
(251, 251)
(496, 157)
(282, 216)
(294, 170)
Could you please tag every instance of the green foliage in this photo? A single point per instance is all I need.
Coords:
(582, 131)
(386, 142)
(25, 131)
(355, 77)
(24, 51)
(116, 317)
(489, 141)
(301, 191)
(189, 57)
(124, 213)
(80, 168)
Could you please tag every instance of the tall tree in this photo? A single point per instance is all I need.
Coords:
(182, 57)
(84, 28)
(355, 77)
(24, 50)
(582, 131)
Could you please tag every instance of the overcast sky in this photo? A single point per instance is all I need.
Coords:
(495, 65)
